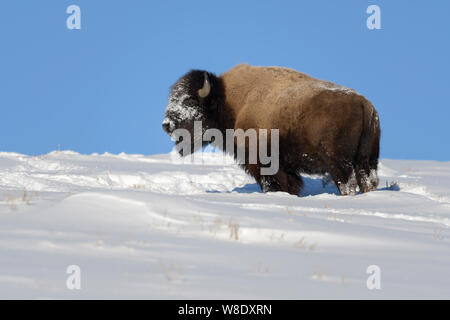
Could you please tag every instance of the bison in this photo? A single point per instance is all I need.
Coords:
(324, 128)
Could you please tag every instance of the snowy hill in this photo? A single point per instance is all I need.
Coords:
(150, 227)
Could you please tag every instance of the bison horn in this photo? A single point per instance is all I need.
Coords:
(204, 92)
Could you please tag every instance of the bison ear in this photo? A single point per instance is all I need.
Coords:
(204, 92)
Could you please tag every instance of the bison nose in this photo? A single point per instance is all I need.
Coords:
(166, 126)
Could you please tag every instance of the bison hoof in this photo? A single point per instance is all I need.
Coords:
(348, 188)
(368, 183)
(345, 190)
(269, 184)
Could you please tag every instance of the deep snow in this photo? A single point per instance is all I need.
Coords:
(152, 227)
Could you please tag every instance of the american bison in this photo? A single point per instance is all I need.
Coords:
(324, 128)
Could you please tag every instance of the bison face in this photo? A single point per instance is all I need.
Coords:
(188, 103)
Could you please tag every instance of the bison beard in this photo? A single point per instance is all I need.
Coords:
(324, 128)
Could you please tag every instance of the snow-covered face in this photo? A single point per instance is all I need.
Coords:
(181, 112)
(188, 101)
(186, 107)
(193, 107)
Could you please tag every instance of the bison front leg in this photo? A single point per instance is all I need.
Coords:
(274, 183)
(281, 181)
(295, 184)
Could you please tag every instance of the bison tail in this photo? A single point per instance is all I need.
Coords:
(366, 161)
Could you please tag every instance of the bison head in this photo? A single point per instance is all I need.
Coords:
(194, 97)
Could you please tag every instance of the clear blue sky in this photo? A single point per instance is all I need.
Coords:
(105, 87)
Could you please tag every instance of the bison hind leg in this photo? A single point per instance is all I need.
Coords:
(373, 178)
(367, 179)
(344, 178)
(348, 187)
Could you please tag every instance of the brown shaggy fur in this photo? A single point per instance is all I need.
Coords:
(323, 127)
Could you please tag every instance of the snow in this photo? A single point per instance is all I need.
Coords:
(335, 87)
(154, 227)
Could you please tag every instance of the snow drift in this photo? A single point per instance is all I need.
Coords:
(150, 227)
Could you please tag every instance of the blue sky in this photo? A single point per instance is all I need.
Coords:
(105, 87)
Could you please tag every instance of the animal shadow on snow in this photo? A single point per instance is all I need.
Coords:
(312, 186)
